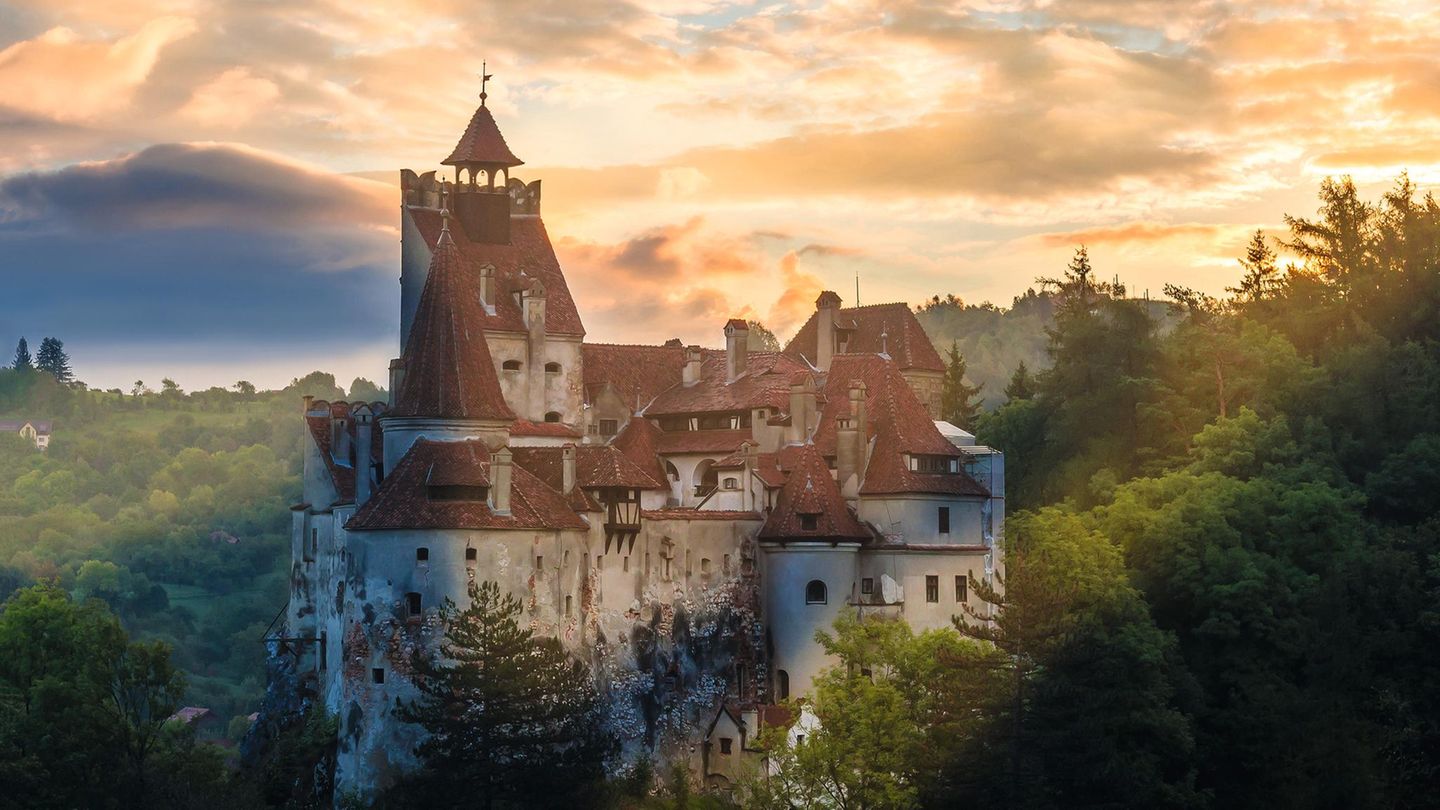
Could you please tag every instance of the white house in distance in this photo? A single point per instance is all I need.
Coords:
(36, 431)
(684, 519)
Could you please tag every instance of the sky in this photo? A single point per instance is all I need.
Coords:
(208, 189)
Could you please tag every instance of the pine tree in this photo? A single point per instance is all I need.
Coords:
(513, 720)
(52, 358)
(22, 356)
(959, 402)
(1262, 277)
(1022, 385)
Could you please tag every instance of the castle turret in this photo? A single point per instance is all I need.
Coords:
(481, 205)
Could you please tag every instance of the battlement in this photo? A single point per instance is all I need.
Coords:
(423, 191)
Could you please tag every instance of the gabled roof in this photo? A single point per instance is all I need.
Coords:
(448, 370)
(904, 338)
(890, 405)
(528, 256)
(765, 383)
(639, 441)
(596, 465)
(559, 430)
(810, 491)
(42, 426)
(482, 143)
(671, 442)
(402, 501)
(638, 373)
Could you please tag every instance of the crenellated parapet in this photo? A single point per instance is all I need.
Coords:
(423, 191)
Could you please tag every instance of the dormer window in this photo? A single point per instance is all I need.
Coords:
(510, 365)
(809, 523)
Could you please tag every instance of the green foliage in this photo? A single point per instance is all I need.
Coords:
(362, 390)
(1021, 385)
(23, 361)
(760, 338)
(54, 361)
(512, 719)
(959, 403)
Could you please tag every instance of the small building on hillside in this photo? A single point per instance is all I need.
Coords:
(36, 431)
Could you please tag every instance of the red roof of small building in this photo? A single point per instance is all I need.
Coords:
(904, 338)
(482, 143)
(765, 384)
(596, 465)
(529, 256)
(402, 501)
(684, 513)
(639, 440)
(448, 370)
(524, 427)
(700, 441)
(638, 373)
(810, 491)
(342, 471)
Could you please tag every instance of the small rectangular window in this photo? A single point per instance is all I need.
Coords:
(539, 562)
(932, 589)
(944, 520)
(377, 675)
(727, 564)
(625, 564)
(609, 427)
(599, 562)
(962, 587)
(471, 555)
(725, 745)
(867, 585)
(324, 651)
(809, 523)
(413, 605)
(422, 555)
(704, 566)
(569, 604)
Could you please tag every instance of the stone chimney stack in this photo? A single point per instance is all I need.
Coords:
(536, 354)
(500, 479)
(487, 285)
(802, 407)
(363, 452)
(737, 339)
(693, 358)
(851, 442)
(827, 307)
(567, 469)
(339, 432)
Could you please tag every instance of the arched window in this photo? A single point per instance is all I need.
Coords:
(510, 365)
(670, 471)
(783, 679)
(553, 416)
(552, 368)
(815, 592)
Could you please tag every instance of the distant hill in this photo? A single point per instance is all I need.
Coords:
(995, 340)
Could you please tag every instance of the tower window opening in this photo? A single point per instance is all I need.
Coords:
(944, 520)
(815, 593)
(413, 604)
(783, 683)
(569, 604)
(377, 675)
(552, 416)
(510, 365)
(422, 555)
(867, 585)
(471, 556)
(552, 368)
(809, 523)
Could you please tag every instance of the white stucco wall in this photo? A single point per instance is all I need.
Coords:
(792, 622)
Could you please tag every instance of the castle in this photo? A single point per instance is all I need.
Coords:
(683, 519)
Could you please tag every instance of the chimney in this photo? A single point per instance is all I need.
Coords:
(397, 377)
(691, 374)
(363, 451)
(802, 407)
(851, 443)
(827, 306)
(537, 355)
(737, 338)
(308, 401)
(339, 432)
(567, 469)
(747, 455)
(487, 283)
(500, 479)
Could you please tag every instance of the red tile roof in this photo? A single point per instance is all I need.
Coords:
(811, 491)
(905, 339)
(701, 441)
(639, 440)
(765, 383)
(448, 370)
(638, 373)
(524, 427)
(596, 465)
(683, 513)
(402, 502)
(482, 143)
(528, 256)
(890, 406)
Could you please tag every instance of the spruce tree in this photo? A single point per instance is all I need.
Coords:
(1022, 385)
(513, 720)
(22, 356)
(959, 402)
(53, 359)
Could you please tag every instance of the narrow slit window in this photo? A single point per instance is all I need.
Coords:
(413, 604)
(944, 520)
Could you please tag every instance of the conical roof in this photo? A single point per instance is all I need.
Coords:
(810, 491)
(448, 370)
(482, 143)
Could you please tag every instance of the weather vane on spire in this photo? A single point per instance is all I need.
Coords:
(484, 77)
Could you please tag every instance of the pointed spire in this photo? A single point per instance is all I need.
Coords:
(482, 144)
(448, 370)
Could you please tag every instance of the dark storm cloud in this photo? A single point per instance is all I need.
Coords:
(195, 245)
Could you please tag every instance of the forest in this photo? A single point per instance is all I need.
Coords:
(1221, 585)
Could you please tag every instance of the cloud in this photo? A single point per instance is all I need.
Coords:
(230, 100)
(1129, 233)
(60, 75)
(173, 186)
